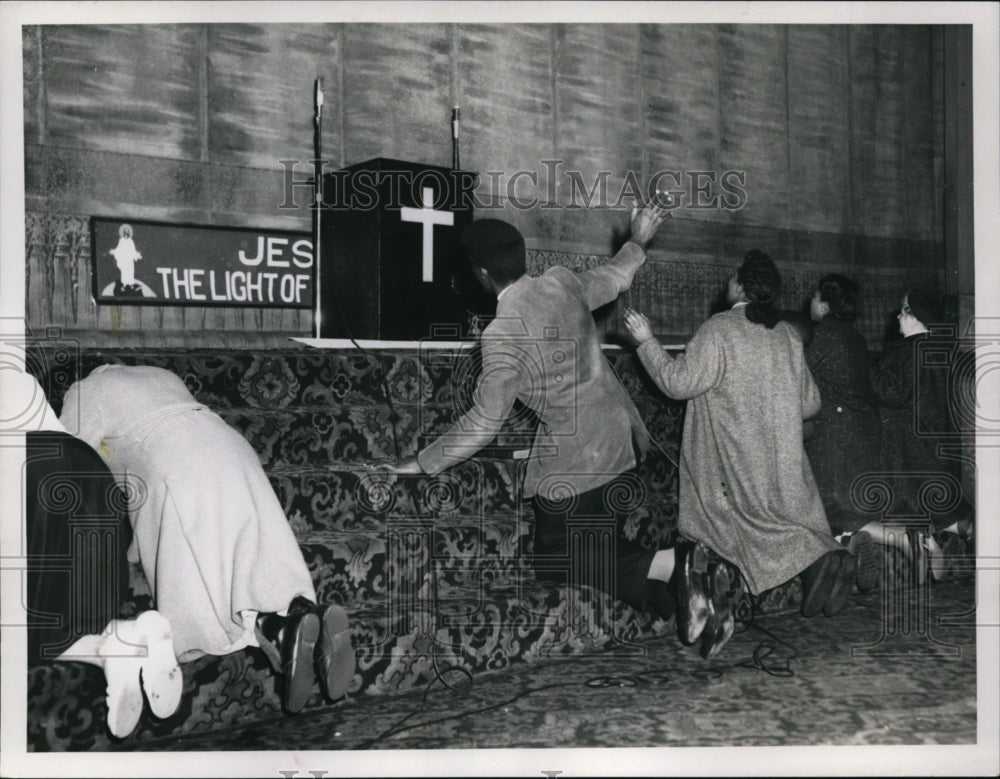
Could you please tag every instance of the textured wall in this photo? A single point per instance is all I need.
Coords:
(838, 130)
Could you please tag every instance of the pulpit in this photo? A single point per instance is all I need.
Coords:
(391, 264)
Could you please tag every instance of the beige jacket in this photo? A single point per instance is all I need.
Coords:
(543, 349)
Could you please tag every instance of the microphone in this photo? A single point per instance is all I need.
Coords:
(455, 114)
(317, 212)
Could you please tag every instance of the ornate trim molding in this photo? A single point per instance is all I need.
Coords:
(678, 296)
(56, 246)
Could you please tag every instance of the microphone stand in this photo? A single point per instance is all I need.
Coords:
(455, 164)
(317, 205)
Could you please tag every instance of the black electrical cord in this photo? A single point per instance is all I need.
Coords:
(394, 416)
(656, 676)
(663, 451)
(400, 728)
(758, 661)
(766, 648)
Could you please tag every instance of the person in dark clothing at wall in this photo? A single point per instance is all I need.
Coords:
(844, 440)
(917, 417)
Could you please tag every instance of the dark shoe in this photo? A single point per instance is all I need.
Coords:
(921, 558)
(946, 553)
(335, 660)
(721, 621)
(862, 546)
(840, 592)
(817, 583)
(662, 601)
(294, 637)
(690, 569)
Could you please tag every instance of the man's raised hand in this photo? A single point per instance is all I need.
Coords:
(646, 221)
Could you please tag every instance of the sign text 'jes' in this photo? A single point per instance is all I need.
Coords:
(161, 264)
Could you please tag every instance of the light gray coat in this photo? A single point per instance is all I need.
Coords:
(746, 487)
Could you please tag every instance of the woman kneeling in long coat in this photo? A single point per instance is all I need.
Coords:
(746, 487)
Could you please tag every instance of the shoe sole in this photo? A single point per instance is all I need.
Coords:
(840, 593)
(299, 675)
(691, 621)
(952, 551)
(862, 546)
(721, 623)
(337, 660)
(814, 600)
(724, 630)
(124, 696)
(161, 676)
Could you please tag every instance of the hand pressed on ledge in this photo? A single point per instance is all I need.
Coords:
(406, 466)
(638, 326)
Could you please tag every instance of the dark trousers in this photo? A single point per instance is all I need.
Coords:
(579, 540)
(77, 539)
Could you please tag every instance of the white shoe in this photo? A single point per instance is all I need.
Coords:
(124, 696)
(161, 675)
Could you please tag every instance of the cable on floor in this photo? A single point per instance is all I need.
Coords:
(782, 667)
(759, 660)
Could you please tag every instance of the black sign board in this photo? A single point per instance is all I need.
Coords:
(389, 234)
(153, 263)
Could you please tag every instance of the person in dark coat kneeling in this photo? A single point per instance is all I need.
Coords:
(845, 435)
(917, 417)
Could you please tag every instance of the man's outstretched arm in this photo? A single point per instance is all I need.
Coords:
(604, 284)
(503, 362)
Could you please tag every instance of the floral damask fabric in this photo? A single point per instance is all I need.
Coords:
(487, 626)
(431, 569)
(830, 688)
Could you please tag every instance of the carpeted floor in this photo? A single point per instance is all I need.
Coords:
(889, 670)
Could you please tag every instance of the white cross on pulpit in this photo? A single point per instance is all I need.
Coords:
(428, 217)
